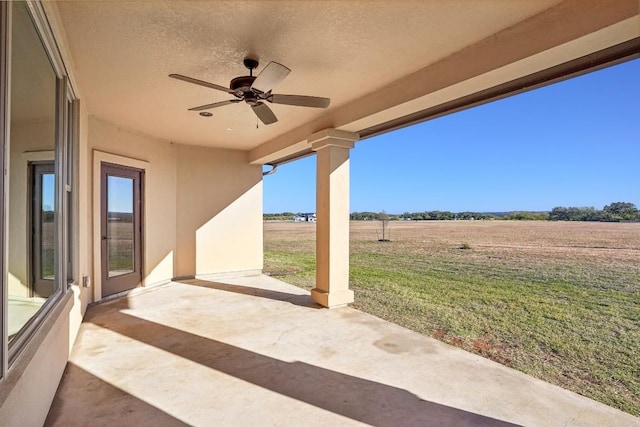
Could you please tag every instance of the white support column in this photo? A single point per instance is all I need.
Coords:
(332, 214)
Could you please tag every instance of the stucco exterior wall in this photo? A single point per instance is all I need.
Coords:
(219, 212)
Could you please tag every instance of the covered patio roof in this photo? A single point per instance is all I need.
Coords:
(257, 351)
(382, 64)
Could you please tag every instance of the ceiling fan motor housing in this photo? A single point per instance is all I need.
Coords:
(242, 83)
(241, 87)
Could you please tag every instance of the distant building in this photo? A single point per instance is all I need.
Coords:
(305, 217)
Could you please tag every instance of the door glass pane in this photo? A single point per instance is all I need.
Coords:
(47, 243)
(120, 225)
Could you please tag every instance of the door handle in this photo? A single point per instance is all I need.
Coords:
(106, 238)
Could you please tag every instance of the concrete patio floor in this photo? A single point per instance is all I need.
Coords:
(256, 351)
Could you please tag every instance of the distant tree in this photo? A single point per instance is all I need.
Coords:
(285, 216)
(384, 219)
(471, 215)
(602, 216)
(619, 211)
(527, 216)
(364, 216)
(48, 216)
(622, 211)
(439, 215)
(588, 214)
(559, 213)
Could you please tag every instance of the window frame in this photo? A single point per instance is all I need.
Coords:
(5, 63)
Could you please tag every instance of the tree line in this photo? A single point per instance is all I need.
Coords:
(618, 211)
(614, 212)
(448, 216)
(284, 216)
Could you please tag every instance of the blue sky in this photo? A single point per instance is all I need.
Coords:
(575, 143)
(120, 194)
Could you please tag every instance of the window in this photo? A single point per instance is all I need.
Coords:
(38, 151)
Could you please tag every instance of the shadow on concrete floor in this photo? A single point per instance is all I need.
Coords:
(303, 300)
(363, 400)
(111, 406)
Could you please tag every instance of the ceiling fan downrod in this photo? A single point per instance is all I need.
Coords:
(251, 64)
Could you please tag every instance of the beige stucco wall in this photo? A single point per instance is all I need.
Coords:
(32, 392)
(219, 215)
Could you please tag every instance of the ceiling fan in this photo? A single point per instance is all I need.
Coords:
(256, 91)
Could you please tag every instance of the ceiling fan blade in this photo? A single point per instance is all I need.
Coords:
(200, 82)
(300, 100)
(214, 105)
(264, 113)
(270, 77)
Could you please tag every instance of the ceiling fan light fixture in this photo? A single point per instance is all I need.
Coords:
(206, 114)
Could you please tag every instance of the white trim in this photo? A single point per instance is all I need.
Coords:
(46, 36)
(98, 158)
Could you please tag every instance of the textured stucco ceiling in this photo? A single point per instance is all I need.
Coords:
(123, 52)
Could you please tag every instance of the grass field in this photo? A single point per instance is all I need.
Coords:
(120, 248)
(557, 300)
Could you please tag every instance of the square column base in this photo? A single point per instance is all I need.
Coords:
(332, 299)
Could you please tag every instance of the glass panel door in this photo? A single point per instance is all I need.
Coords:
(121, 228)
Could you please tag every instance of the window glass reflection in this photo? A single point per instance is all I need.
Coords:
(32, 210)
